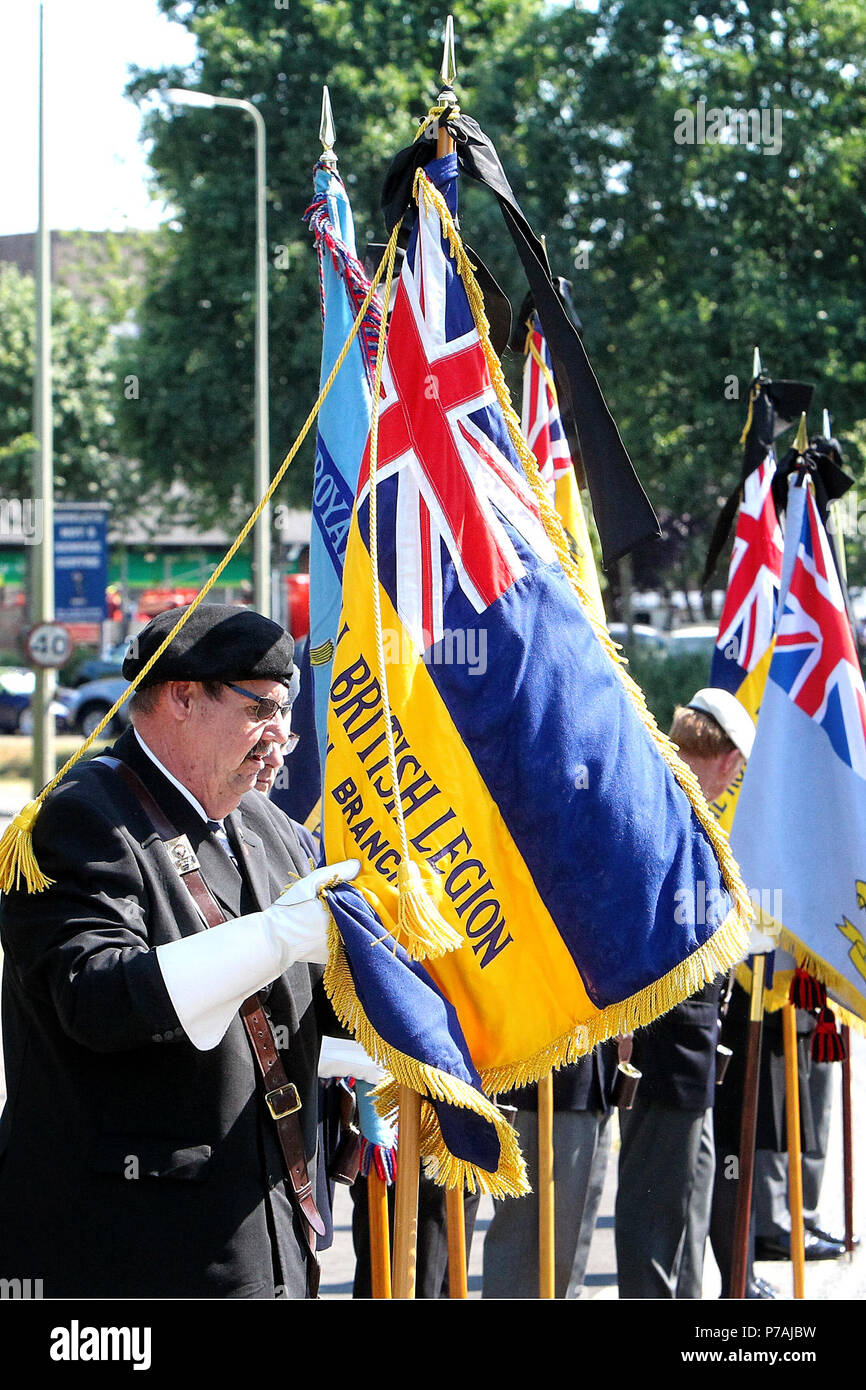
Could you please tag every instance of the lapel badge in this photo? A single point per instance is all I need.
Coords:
(182, 854)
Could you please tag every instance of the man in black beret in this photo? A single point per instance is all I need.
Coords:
(143, 1154)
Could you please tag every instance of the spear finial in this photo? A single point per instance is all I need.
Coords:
(825, 426)
(327, 133)
(756, 363)
(448, 70)
(801, 443)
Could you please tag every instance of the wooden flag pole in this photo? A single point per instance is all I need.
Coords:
(409, 1157)
(740, 1254)
(377, 1190)
(454, 1211)
(380, 1241)
(458, 1286)
(795, 1170)
(546, 1239)
(406, 1207)
(847, 1141)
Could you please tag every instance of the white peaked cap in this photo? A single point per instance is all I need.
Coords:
(727, 711)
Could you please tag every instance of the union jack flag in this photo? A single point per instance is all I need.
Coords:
(546, 822)
(751, 602)
(458, 523)
(815, 660)
(540, 418)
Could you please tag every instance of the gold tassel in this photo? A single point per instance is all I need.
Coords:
(510, 1179)
(17, 859)
(424, 934)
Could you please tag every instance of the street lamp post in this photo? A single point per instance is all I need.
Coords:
(262, 529)
(42, 572)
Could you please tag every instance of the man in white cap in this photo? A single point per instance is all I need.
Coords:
(666, 1161)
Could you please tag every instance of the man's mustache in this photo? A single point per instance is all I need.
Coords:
(261, 750)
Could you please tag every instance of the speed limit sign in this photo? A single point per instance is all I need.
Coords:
(48, 644)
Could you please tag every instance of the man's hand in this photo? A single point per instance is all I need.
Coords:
(298, 920)
(208, 976)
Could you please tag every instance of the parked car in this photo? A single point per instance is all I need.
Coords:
(91, 702)
(695, 637)
(17, 685)
(642, 635)
(98, 667)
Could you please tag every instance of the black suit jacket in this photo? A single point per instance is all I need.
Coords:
(131, 1164)
(586, 1084)
(677, 1053)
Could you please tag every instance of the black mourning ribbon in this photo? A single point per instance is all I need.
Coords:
(623, 514)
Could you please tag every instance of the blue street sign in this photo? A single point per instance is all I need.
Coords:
(80, 563)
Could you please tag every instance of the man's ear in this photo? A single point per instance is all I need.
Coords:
(180, 698)
(733, 762)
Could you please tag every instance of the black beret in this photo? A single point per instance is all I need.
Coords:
(220, 642)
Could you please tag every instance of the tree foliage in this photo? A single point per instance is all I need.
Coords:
(87, 465)
(683, 256)
(194, 353)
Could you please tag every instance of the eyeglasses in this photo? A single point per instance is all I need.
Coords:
(289, 744)
(266, 709)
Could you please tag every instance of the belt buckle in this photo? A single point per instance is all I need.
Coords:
(290, 1093)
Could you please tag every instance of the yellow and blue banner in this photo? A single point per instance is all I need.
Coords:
(482, 728)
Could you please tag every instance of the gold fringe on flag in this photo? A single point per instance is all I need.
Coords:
(509, 1179)
(724, 949)
(844, 1006)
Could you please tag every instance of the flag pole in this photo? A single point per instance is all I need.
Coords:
(740, 1256)
(377, 1190)
(454, 1211)
(455, 1217)
(546, 1240)
(795, 1171)
(847, 1141)
(409, 1112)
(406, 1205)
(380, 1252)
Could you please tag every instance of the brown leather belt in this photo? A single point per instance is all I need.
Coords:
(281, 1095)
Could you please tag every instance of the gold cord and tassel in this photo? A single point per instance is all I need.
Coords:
(420, 929)
(17, 856)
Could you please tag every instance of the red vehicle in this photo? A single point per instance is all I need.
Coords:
(298, 604)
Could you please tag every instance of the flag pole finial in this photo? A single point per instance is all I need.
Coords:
(448, 70)
(801, 443)
(327, 133)
(825, 425)
(756, 363)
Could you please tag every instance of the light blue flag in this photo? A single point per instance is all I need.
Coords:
(344, 421)
(799, 831)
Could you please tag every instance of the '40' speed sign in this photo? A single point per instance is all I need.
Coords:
(48, 644)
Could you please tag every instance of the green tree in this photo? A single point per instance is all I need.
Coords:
(85, 390)
(698, 252)
(683, 256)
(194, 354)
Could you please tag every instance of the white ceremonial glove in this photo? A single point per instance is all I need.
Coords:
(209, 975)
(345, 1057)
(764, 936)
